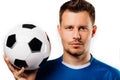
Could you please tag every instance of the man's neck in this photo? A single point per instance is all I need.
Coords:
(76, 60)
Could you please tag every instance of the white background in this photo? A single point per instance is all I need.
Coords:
(44, 13)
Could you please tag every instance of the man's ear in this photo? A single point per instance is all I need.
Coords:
(58, 28)
(94, 30)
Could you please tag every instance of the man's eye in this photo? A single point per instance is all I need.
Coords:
(70, 27)
(82, 28)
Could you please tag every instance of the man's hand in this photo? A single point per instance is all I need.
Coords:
(20, 74)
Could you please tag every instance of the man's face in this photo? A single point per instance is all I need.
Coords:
(76, 31)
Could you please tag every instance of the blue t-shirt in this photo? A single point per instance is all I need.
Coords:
(56, 70)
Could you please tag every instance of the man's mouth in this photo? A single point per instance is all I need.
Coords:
(76, 44)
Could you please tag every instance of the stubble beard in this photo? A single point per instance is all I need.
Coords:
(75, 54)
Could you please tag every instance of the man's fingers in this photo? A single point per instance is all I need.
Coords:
(8, 63)
(18, 73)
(21, 70)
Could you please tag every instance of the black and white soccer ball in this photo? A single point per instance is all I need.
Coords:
(27, 46)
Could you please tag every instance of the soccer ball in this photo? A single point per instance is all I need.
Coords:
(27, 46)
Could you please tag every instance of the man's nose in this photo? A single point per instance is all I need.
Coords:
(76, 34)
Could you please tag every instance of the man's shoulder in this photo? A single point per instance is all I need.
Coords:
(48, 68)
(107, 68)
(51, 63)
(54, 61)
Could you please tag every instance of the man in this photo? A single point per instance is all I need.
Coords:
(76, 30)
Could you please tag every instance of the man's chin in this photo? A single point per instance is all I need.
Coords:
(76, 53)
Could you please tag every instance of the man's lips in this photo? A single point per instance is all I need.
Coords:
(76, 44)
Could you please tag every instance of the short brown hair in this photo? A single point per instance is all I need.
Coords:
(76, 6)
